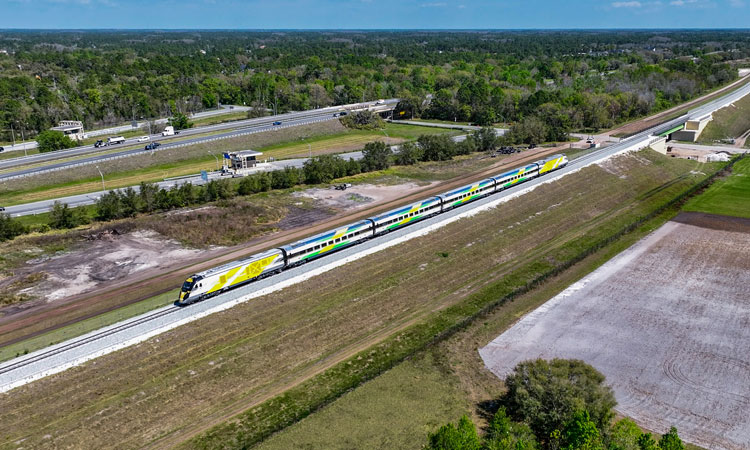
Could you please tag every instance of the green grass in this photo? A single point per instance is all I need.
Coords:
(395, 410)
(366, 414)
(729, 196)
(17, 154)
(300, 401)
(729, 122)
(85, 326)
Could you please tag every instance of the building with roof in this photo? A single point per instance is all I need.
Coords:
(242, 162)
(70, 128)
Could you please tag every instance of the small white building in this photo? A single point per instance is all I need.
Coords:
(70, 128)
(242, 162)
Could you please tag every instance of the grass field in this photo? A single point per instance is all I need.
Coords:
(456, 381)
(729, 196)
(352, 322)
(727, 123)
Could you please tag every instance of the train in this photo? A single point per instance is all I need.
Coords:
(217, 280)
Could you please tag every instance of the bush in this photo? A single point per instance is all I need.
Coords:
(408, 154)
(180, 121)
(10, 228)
(436, 147)
(324, 169)
(50, 141)
(376, 156)
(63, 217)
(546, 395)
(362, 120)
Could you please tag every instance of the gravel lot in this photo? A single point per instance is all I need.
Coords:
(668, 323)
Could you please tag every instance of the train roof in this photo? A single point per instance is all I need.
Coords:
(326, 234)
(239, 262)
(515, 171)
(468, 186)
(404, 208)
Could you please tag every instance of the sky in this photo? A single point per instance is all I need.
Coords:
(373, 14)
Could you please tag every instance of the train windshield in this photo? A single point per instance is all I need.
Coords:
(186, 286)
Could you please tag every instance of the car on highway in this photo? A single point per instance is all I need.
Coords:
(152, 146)
(1, 149)
(343, 113)
(144, 138)
(277, 123)
(99, 143)
(2, 209)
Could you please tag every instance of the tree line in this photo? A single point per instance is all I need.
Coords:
(150, 198)
(553, 405)
(585, 79)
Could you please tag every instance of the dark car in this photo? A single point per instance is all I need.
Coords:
(152, 146)
(2, 209)
(343, 113)
(99, 143)
(1, 149)
(277, 123)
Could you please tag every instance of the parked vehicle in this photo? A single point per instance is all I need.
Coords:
(144, 138)
(343, 113)
(168, 131)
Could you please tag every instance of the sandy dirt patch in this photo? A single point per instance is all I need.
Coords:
(667, 322)
(360, 195)
(103, 257)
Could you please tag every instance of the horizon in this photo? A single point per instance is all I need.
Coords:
(361, 15)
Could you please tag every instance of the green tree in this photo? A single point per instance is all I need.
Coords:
(50, 141)
(581, 433)
(436, 147)
(180, 121)
(671, 441)
(647, 442)
(546, 395)
(486, 139)
(376, 156)
(61, 216)
(624, 435)
(130, 202)
(408, 154)
(504, 434)
(108, 207)
(147, 193)
(10, 228)
(449, 437)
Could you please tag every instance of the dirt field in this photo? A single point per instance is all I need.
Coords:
(173, 386)
(667, 321)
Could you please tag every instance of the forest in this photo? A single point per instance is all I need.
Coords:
(565, 79)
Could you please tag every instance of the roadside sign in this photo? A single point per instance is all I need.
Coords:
(204, 175)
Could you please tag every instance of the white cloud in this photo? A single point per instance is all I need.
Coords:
(626, 5)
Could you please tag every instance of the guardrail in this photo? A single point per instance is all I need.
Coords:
(158, 149)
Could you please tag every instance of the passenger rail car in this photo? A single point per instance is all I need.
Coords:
(228, 276)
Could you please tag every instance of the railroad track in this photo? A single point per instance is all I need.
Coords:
(109, 331)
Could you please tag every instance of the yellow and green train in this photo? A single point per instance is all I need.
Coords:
(228, 276)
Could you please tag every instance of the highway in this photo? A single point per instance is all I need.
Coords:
(57, 358)
(238, 128)
(91, 197)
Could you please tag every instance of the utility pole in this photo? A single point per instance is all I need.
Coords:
(309, 149)
(216, 158)
(102, 175)
(23, 139)
(12, 133)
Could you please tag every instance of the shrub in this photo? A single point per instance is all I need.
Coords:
(50, 141)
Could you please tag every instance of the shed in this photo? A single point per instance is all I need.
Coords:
(242, 160)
